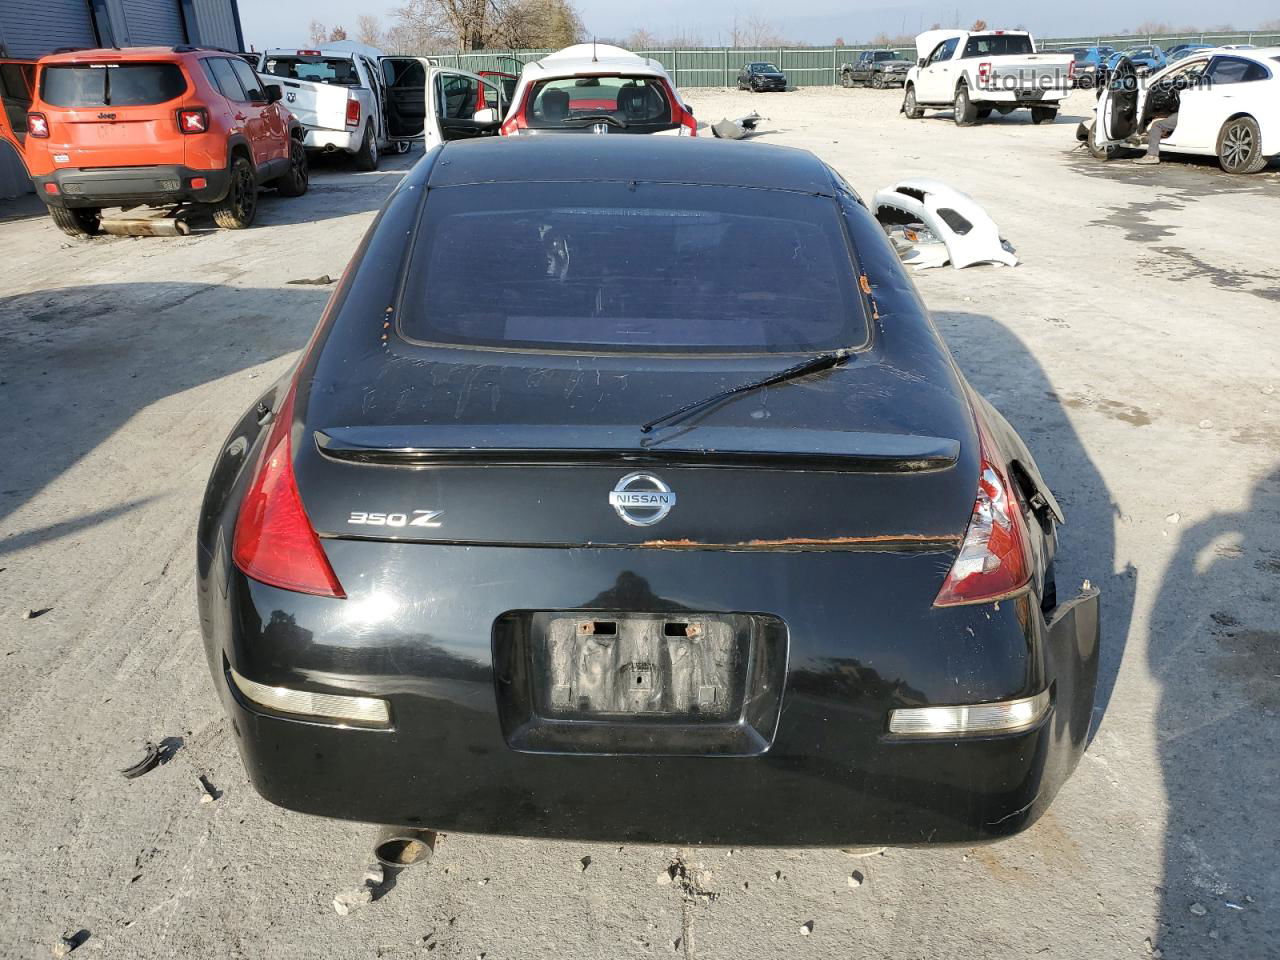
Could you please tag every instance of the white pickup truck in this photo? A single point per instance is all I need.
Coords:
(976, 72)
(352, 98)
(345, 96)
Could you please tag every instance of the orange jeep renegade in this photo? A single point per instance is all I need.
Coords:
(158, 126)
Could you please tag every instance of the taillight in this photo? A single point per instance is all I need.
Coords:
(995, 558)
(193, 120)
(984, 73)
(37, 125)
(1071, 71)
(688, 124)
(353, 112)
(274, 541)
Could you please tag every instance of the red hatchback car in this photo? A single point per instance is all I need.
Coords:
(157, 126)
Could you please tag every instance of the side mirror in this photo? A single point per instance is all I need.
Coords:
(688, 109)
(923, 61)
(487, 115)
(274, 93)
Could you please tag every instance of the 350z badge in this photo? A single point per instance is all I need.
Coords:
(419, 518)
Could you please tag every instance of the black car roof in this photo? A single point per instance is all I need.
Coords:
(622, 157)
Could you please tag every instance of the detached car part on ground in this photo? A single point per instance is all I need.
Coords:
(597, 89)
(933, 224)
(976, 72)
(159, 127)
(1228, 107)
(549, 550)
(742, 128)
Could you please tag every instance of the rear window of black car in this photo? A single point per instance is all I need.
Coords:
(632, 267)
(111, 84)
(998, 45)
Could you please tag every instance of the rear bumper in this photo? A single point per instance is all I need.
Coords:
(114, 186)
(319, 138)
(829, 773)
(1028, 97)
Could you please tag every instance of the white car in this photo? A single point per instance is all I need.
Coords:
(1229, 108)
(600, 89)
(975, 72)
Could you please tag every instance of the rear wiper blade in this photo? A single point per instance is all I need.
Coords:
(822, 361)
(598, 118)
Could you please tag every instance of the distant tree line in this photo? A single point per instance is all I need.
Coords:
(423, 26)
(435, 25)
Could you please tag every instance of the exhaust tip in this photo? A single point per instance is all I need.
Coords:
(401, 847)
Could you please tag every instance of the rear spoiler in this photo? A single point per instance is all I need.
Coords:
(698, 446)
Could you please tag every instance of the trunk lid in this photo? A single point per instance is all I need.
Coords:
(854, 458)
(316, 105)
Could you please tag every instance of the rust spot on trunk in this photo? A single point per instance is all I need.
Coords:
(881, 540)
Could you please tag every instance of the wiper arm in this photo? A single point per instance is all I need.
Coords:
(822, 361)
(598, 118)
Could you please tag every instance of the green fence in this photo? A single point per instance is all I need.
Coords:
(808, 66)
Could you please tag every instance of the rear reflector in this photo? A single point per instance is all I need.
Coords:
(51, 188)
(199, 183)
(274, 541)
(1008, 716)
(364, 711)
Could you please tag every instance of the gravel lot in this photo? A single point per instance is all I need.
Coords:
(1136, 350)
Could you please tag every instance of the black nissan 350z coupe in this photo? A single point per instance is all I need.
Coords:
(626, 491)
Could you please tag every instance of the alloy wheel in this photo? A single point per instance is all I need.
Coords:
(1237, 146)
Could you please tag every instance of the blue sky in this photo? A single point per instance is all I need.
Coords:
(269, 23)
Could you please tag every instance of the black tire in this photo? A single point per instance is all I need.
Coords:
(966, 113)
(295, 182)
(846, 80)
(877, 81)
(367, 156)
(1044, 114)
(80, 222)
(909, 105)
(984, 112)
(1085, 83)
(1240, 146)
(1097, 152)
(239, 207)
